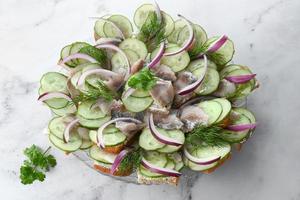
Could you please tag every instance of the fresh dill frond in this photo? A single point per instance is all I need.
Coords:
(95, 92)
(131, 160)
(209, 135)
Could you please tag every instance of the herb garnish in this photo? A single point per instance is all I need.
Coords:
(144, 80)
(209, 135)
(152, 31)
(132, 159)
(95, 92)
(37, 163)
(97, 54)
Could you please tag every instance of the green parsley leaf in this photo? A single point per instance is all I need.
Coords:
(144, 80)
(37, 163)
(208, 135)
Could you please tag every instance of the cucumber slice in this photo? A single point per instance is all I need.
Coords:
(92, 123)
(178, 135)
(118, 63)
(141, 15)
(98, 154)
(243, 71)
(176, 62)
(108, 130)
(54, 82)
(123, 23)
(246, 113)
(66, 52)
(156, 158)
(135, 45)
(237, 136)
(98, 28)
(199, 63)
(177, 159)
(74, 143)
(170, 164)
(69, 109)
(136, 104)
(57, 125)
(148, 173)
(86, 144)
(75, 49)
(56, 103)
(226, 107)
(114, 138)
(148, 142)
(97, 54)
(85, 110)
(206, 152)
(178, 26)
(213, 109)
(210, 82)
(199, 34)
(224, 54)
(138, 92)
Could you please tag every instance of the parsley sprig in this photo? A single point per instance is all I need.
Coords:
(95, 92)
(144, 80)
(208, 135)
(36, 165)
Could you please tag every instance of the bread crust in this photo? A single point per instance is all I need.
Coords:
(170, 180)
(117, 173)
(221, 162)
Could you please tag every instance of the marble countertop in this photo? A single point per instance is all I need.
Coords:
(266, 35)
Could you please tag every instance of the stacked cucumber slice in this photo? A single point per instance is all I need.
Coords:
(96, 109)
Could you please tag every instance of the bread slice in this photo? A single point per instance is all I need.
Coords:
(156, 180)
(106, 170)
(221, 162)
(114, 149)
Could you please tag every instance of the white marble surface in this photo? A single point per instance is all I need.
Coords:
(266, 35)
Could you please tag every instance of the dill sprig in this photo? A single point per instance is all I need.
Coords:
(131, 160)
(100, 90)
(210, 136)
(152, 31)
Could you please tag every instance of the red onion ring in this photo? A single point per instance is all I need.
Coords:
(200, 161)
(159, 170)
(77, 56)
(118, 161)
(240, 78)
(160, 137)
(115, 48)
(66, 135)
(190, 88)
(241, 127)
(84, 75)
(217, 44)
(100, 139)
(51, 95)
(188, 42)
(158, 56)
(108, 41)
(158, 12)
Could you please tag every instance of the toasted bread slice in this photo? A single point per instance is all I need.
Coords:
(114, 149)
(106, 169)
(221, 162)
(156, 180)
(225, 122)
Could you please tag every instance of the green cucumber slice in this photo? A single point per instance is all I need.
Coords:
(118, 63)
(56, 103)
(224, 54)
(85, 110)
(178, 135)
(123, 23)
(213, 109)
(141, 15)
(199, 63)
(93, 123)
(210, 82)
(135, 45)
(178, 26)
(66, 52)
(176, 62)
(57, 125)
(138, 92)
(148, 142)
(86, 144)
(74, 143)
(156, 158)
(226, 108)
(246, 113)
(207, 152)
(199, 33)
(114, 138)
(98, 28)
(75, 49)
(177, 159)
(54, 82)
(69, 109)
(97, 54)
(136, 104)
(170, 164)
(98, 154)
(148, 173)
